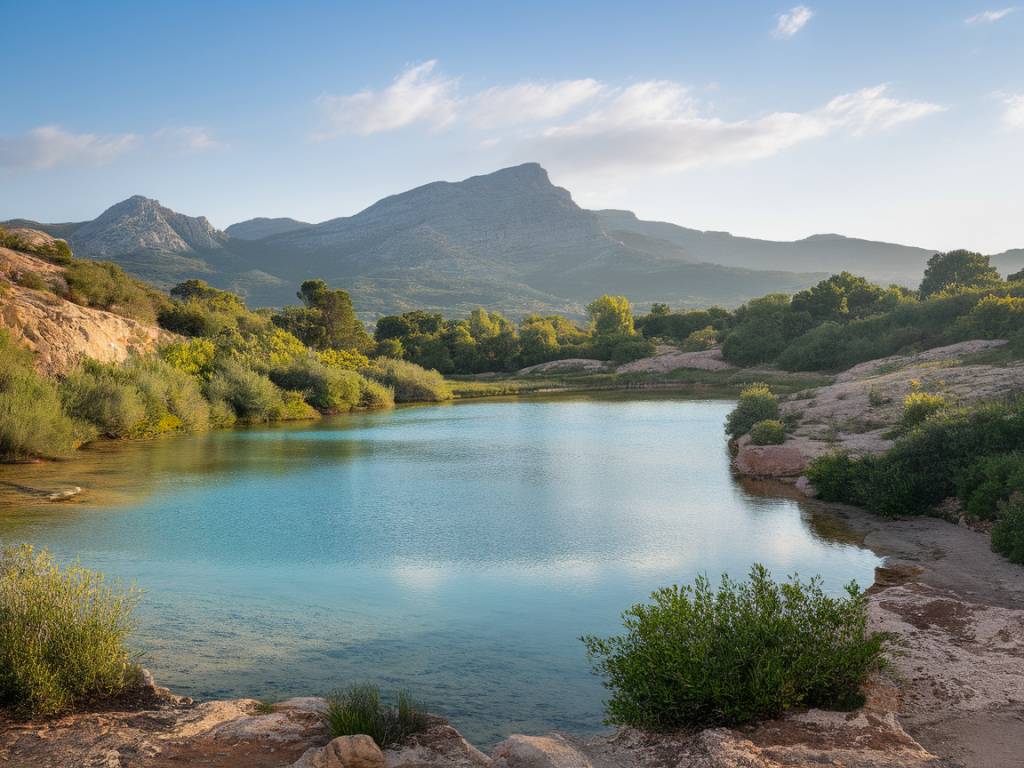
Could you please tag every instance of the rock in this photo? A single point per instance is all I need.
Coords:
(67, 493)
(440, 745)
(804, 485)
(564, 366)
(786, 460)
(538, 752)
(672, 360)
(344, 752)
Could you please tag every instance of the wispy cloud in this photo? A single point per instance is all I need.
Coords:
(417, 95)
(1013, 111)
(189, 139)
(49, 146)
(531, 102)
(792, 21)
(657, 126)
(988, 17)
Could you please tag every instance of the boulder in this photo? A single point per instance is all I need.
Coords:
(346, 752)
(538, 752)
(440, 746)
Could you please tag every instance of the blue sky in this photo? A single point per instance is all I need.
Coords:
(894, 121)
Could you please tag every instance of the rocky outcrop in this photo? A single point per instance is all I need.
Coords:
(858, 411)
(671, 359)
(58, 331)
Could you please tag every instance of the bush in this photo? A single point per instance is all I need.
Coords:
(194, 357)
(32, 280)
(836, 477)
(757, 403)
(1008, 532)
(748, 651)
(918, 406)
(768, 432)
(409, 382)
(373, 394)
(32, 422)
(330, 390)
(105, 285)
(989, 482)
(62, 634)
(701, 340)
(252, 396)
(359, 710)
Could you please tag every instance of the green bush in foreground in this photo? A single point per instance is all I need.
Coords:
(359, 710)
(1008, 532)
(768, 432)
(757, 403)
(989, 482)
(62, 634)
(749, 651)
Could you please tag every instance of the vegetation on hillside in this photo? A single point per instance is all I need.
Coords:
(845, 320)
(695, 656)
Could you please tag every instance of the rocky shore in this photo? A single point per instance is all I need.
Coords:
(953, 695)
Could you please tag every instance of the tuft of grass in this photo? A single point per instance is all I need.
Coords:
(359, 710)
(63, 631)
(264, 707)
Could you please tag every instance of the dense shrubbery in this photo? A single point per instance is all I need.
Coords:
(1008, 532)
(768, 432)
(756, 403)
(31, 420)
(408, 382)
(846, 320)
(918, 406)
(145, 397)
(749, 651)
(104, 285)
(62, 634)
(359, 710)
(56, 251)
(990, 481)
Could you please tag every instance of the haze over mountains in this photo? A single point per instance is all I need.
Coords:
(509, 240)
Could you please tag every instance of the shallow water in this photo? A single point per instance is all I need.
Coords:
(457, 551)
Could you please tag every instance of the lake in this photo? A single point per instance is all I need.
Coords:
(457, 551)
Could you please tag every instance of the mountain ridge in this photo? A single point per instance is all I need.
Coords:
(509, 239)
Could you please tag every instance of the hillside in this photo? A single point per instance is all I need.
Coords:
(509, 240)
(59, 331)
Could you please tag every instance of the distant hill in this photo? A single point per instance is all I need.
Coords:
(509, 240)
(882, 262)
(260, 227)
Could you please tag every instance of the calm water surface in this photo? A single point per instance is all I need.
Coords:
(457, 551)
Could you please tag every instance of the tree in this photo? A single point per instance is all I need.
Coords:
(611, 316)
(956, 269)
(330, 321)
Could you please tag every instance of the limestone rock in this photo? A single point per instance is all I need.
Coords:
(344, 752)
(538, 752)
(440, 746)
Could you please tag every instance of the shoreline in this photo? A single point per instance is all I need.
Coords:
(952, 695)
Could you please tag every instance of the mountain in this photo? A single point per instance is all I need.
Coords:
(509, 240)
(260, 227)
(882, 262)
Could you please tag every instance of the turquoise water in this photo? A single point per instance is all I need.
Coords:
(457, 551)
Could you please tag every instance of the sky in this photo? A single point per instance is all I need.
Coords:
(891, 121)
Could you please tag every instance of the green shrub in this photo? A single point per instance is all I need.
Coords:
(1008, 532)
(768, 432)
(409, 382)
(749, 651)
(32, 280)
(104, 285)
(701, 340)
(990, 481)
(359, 710)
(757, 403)
(373, 394)
(32, 422)
(62, 634)
(194, 357)
(918, 406)
(328, 389)
(252, 396)
(836, 477)
(626, 350)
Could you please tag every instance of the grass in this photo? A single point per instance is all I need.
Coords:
(359, 710)
(63, 631)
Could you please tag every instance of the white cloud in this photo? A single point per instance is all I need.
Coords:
(416, 95)
(189, 139)
(988, 17)
(792, 21)
(49, 146)
(656, 126)
(1013, 114)
(531, 102)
